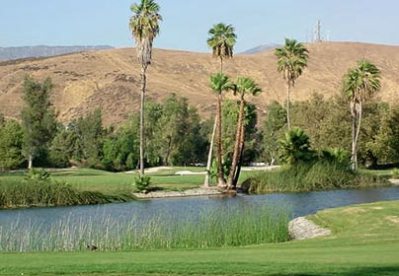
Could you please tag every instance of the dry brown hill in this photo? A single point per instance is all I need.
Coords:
(109, 79)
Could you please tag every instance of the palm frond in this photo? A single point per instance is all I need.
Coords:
(222, 39)
(292, 59)
(144, 25)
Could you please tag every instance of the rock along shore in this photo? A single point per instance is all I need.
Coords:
(301, 229)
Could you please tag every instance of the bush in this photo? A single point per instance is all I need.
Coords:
(142, 183)
(395, 173)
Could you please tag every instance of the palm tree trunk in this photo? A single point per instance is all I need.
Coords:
(354, 127)
(209, 163)
(359, 112)
(236, 153)
(30, 161)
(288, 105)
(143, 88)
(241, 152)
(221, 179)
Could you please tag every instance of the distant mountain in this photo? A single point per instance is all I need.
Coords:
(261, 48)
(11, 53)
(110, 79)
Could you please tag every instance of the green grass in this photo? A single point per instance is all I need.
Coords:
(117, 183)
(365, 241)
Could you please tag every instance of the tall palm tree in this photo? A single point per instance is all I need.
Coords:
(220, 83)
(243, 86)
(222, 40)
(144, 25)
(292, 59)
(360, 83)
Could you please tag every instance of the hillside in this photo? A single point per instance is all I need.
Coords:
(10, 53)
(109, 79)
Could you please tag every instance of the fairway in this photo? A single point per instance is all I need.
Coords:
(365, 241)
(122, 182)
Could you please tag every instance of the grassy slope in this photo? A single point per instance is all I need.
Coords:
(365, 242)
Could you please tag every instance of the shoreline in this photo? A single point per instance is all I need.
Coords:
(212, 191)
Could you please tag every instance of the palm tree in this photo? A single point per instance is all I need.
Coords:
(222, 40)
(295, 147)
(292, 59)
(243, 86)
(359, 84)
(219, 83)
(144, 25)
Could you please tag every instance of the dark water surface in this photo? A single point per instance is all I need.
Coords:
(298, 204)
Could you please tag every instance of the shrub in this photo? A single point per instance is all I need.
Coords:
(395, 173)
(142, 183)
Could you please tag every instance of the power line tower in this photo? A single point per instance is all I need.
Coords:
(317, 32)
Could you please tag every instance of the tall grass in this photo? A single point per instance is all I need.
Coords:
(321, 175)
(221, 228)
(16, 193)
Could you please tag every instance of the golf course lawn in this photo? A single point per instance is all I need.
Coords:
(365, 241)
(115, 183)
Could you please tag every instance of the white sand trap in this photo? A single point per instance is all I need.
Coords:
(189, 173)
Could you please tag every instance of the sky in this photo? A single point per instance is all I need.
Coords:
(186, 22)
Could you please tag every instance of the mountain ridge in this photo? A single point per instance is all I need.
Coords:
(110, 79)
(23, 52)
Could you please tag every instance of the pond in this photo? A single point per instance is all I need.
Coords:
(298, 204)
(195, 222)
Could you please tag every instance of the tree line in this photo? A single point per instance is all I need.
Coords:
(173, 133)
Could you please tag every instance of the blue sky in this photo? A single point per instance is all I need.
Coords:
(185, 25)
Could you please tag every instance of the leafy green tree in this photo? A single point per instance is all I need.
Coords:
(359, 84)
(220, 83)
(175, 134)
(385, 143)
(242, 87)
(292, 59)
(81, 143)
(120, 149)
(144, 25)
(11, 140)
(273, 130)
(295, 147)
(38, 117)
(62, 148)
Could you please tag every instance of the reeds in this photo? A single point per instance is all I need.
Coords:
(15, 194)
(229, 226)
(321, 175)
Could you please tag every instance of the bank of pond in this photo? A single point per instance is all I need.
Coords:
(39, 189)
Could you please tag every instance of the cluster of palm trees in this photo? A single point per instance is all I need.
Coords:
(292, 59)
